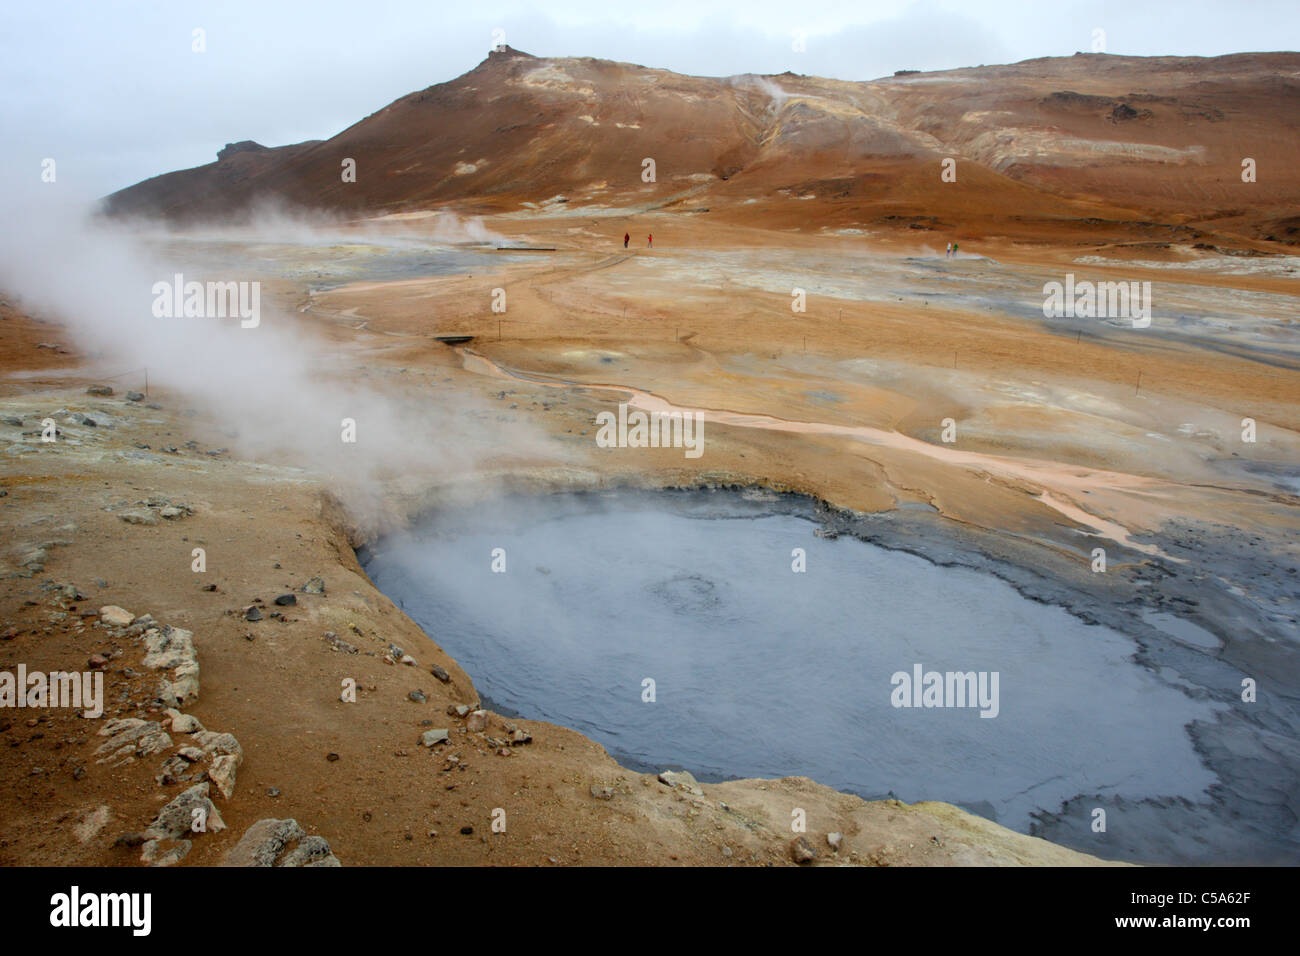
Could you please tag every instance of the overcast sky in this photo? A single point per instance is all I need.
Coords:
(114, 92)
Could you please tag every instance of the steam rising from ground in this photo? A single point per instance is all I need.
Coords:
(777, 95)
(272, 222)
(278, 391)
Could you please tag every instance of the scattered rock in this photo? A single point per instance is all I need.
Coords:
(417, 696)
(680, 780)
(178, 818)
(314, 586)
(286, 600)
(252, 613)
(801, 851)
(175, 768)
(265, 843)
(91, 823)
(834, 840)
(168, 647)
(339, 644)
(431, 737)
(130, 737)
(310, 851)
(172, 648)
(222, 773)
(114, 616)
(153, 854)
(147, 518)
(439, 673)
(102, 391)
(220, 744)
(135, 396)
(476, 721)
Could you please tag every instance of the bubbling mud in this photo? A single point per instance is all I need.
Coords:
(676, 629)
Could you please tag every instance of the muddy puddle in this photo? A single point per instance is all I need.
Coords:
(675, 629)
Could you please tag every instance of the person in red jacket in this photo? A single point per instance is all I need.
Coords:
(650, 240)
(626, 239)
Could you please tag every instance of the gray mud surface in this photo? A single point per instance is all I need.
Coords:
(1119, 691)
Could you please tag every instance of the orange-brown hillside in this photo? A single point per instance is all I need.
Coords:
(1134, 147)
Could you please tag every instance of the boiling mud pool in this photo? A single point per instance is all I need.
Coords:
(761, 671)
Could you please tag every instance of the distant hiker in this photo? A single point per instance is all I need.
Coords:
(650, 240)
(954, 250)
(950, 250)
(627, 237)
